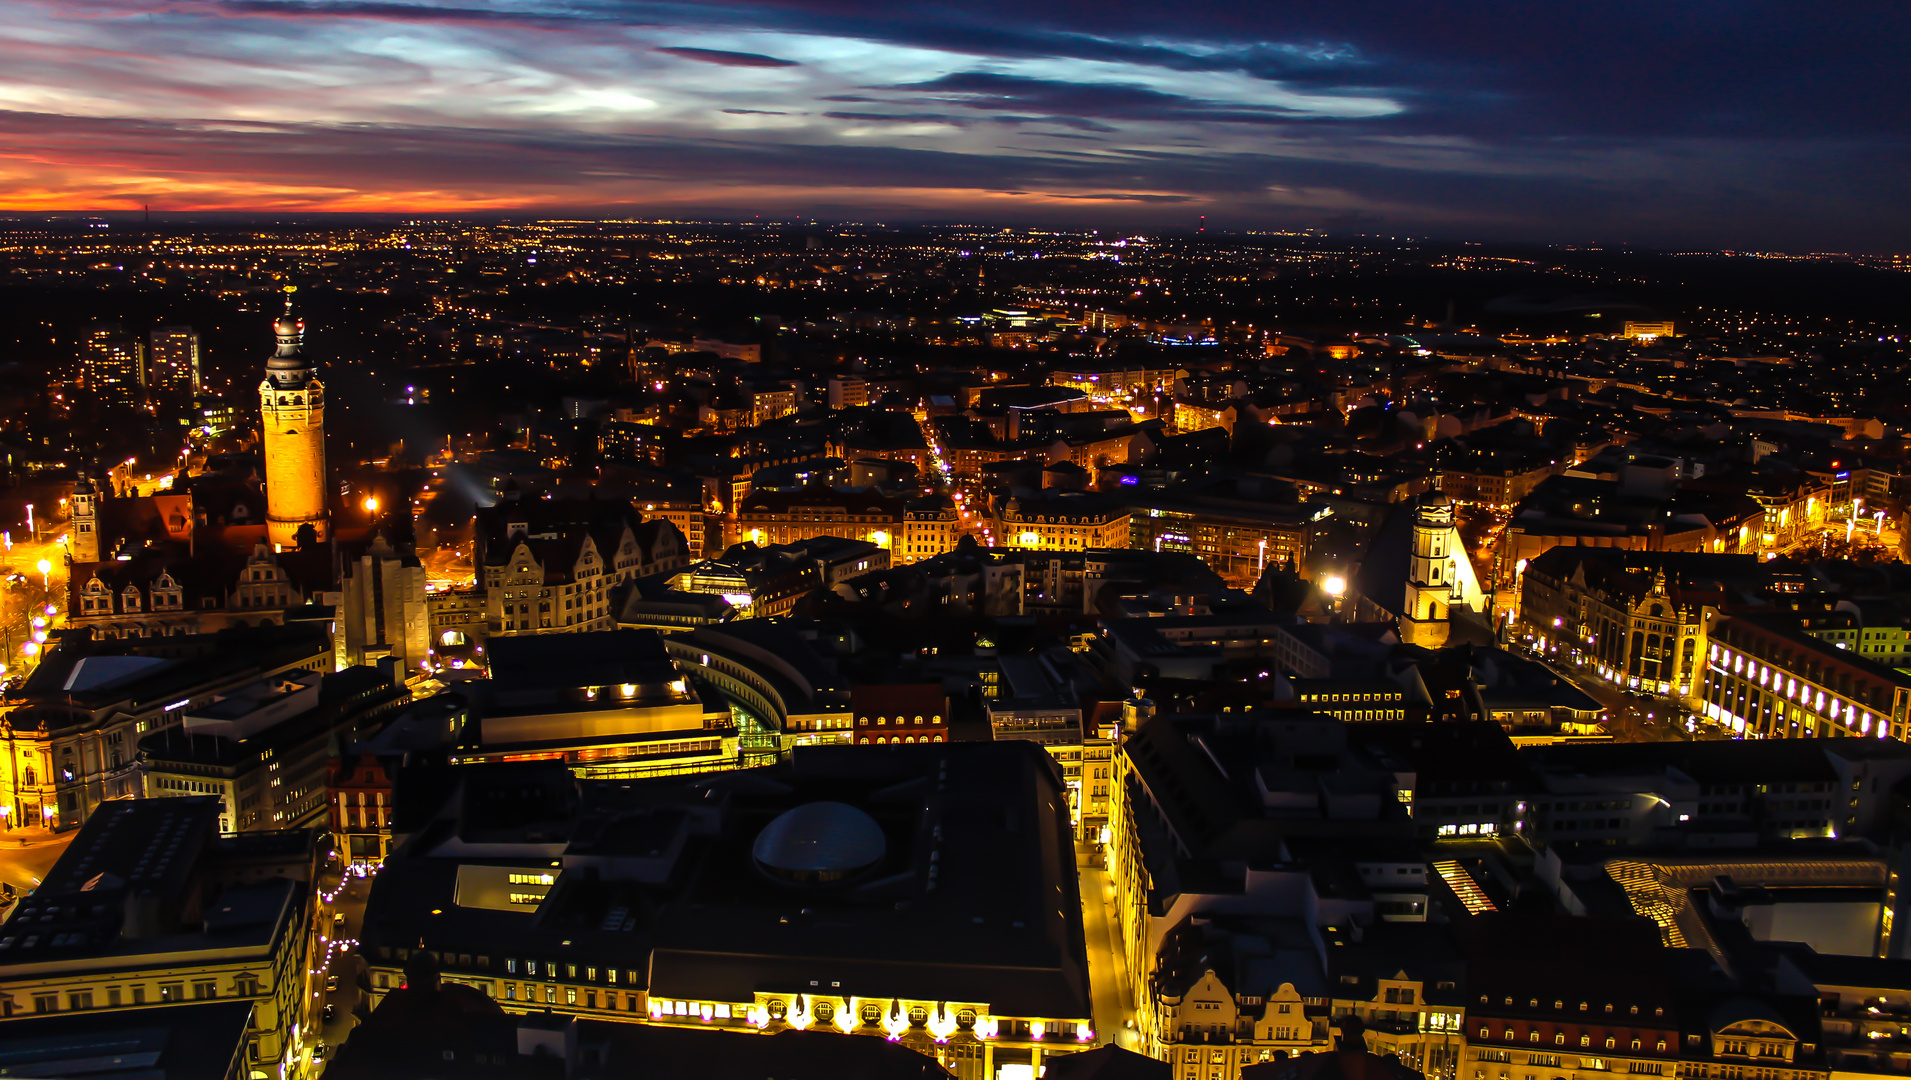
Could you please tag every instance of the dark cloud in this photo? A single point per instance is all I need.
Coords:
(1076, 122)
(1080, 101)
(900, 118)
(728, 59)
(1125, 196)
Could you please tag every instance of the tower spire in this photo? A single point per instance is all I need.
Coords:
(288, 359)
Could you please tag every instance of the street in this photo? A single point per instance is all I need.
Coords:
(1634, 717)
(26, 593)
(336, 957)
(25, 857)
(1108, 978)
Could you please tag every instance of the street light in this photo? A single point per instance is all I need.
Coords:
(44, 567)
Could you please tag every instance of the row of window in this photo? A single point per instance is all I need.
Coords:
(115, 997)
(1559, 1039)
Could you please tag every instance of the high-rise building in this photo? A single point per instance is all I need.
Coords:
(111, 360)
(172, 361)
(292, 423)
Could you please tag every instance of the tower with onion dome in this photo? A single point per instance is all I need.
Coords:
(292, 425)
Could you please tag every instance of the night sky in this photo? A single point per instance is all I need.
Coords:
(1666, 123)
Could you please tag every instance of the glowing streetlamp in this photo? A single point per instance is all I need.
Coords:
(45, 568)
(1335, 586)
(371, 504)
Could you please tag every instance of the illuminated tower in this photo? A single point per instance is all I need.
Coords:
(292, 420)
(1430, 574)
(86, 523)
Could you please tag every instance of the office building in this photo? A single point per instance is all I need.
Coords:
(112, 362)
(609, 704)
(384, 611)
(172, 362)
(262, 748)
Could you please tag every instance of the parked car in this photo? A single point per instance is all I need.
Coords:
(331, 983)
(331, 1012)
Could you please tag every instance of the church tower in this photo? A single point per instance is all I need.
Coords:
(1431, 574)
(86, 521)
(292, 423)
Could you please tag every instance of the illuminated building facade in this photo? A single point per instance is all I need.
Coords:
(762, 581)
(292, 422)
(1070, 522)
(1224, 1001)
(548, 565)
(1354, 701)
(611, 705)
(848, 392)
(161, 591)
(1873, 630)
(1405, 983)
(783, 517)
(1190, 840)
(1116, 379)
(358, 790)
(1237, 538)
(929, 527)
(1769, 680)
(1649, 331)
(899, 713)
(1630, 616)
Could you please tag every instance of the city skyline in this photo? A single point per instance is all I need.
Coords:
(1641, 125)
